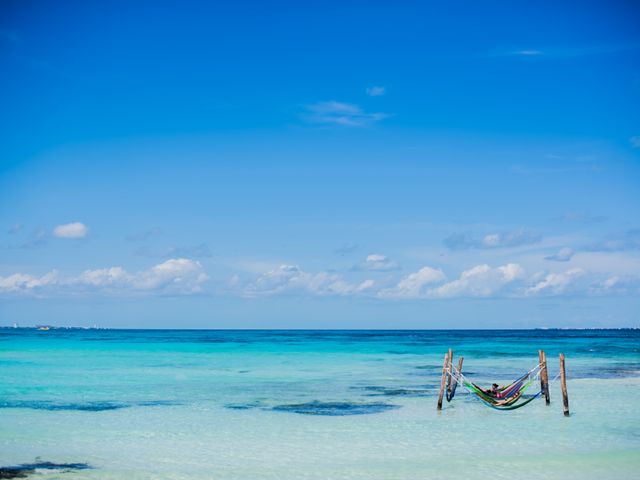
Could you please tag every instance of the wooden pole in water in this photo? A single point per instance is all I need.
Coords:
(544, 376)
(563, 385)
(443, 380)
(541, 362)
(450, 368)
(460, 365)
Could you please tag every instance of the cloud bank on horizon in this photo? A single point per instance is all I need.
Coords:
(183, 276)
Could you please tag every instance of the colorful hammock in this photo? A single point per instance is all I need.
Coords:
(509, 397)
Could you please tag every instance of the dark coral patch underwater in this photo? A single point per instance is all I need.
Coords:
(375, 391)
(82, 407)
(244, 406)
(26, 469)
(331, 409)
(335, 408)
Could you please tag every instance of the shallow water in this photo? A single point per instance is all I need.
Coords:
(311, 405)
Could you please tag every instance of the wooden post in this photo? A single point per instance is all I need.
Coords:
(563, 385)
(541, 362)
(443, 380)
(450, 368)
(460, 364)
(544, 376)
(459, 368)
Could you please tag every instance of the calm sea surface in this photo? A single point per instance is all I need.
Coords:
(145, 404)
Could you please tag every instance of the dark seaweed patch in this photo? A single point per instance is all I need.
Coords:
(82, 407)
(155, 403)
(239, 406)
(618, 370)
(335, 408)
(246, 406)
(243, 406)
(396, 392)
(26, 469)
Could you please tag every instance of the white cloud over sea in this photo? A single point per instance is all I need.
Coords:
(584, 274)
(378, 263)
(290, 279)
(177, 276)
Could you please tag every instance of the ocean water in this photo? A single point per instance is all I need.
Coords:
(127, 404)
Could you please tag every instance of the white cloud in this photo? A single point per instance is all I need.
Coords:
(555, 283)
(181, 274)
(617, 284)
(563, 255)
(175, 276)
(377, 263)
(567, 52)
(71, 230)
(291, 279)
(103, 277)
(635, 141)
(513, 238)
(511, 272)
(376, 91)
(366, 285)
(479, 281)
(412, 286)
(19, 282)
(527, 53)
(339, 113)
(514, 52)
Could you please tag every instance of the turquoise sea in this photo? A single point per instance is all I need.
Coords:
(171, 404)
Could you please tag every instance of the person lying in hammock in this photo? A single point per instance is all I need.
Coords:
(494, 391)
(497, 393)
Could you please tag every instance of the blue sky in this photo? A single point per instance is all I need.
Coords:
(320, 165)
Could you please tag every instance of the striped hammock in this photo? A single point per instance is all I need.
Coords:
(509, 397)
